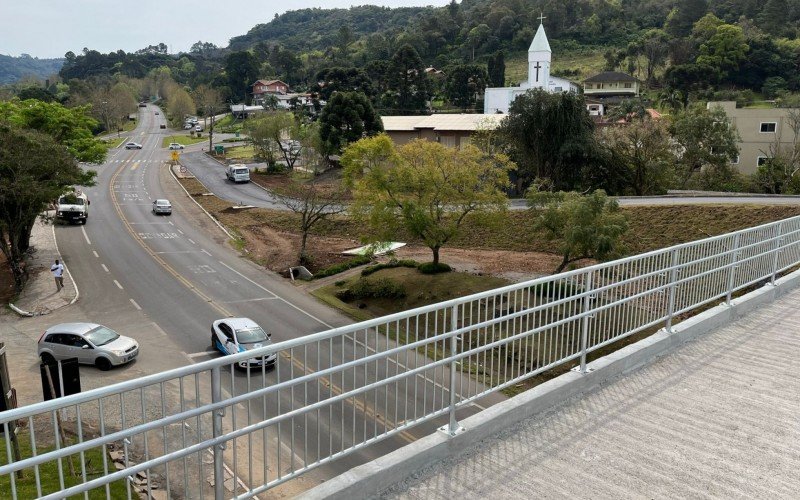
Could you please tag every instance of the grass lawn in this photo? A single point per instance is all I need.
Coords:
(48, 473)
(129, 125)
(421, 289)
(240, 153)
(229, 125)
(186, 140)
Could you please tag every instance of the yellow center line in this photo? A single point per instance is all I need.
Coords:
(362, 406)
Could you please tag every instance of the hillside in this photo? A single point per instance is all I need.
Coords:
(13, 69)
(318, 29)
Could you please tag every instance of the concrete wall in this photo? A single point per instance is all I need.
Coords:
(370, 479)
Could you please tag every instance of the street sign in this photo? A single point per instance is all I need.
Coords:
(175, 156)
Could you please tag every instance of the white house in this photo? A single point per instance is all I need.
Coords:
(499, 99)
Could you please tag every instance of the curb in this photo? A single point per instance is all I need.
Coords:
(199, 205)
(372, 478)
(30, 314)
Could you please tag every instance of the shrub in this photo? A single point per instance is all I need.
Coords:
(381, 288)
(342, 267)
(389, 265)
(431, 268)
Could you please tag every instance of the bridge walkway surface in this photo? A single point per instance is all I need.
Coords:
(717, 418)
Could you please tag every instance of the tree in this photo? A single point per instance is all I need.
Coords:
(71, 127)
(585, 226)
(241, 69)
(645, 149)
(629, 110)
(706, 143)
(36, 92)
(275, 134)
(778, 174)
(464, 84)
(209, 101)
(496, 68)
(725, 50)
(313, 203)
(423, 187)
(682, 18)
(407, 81)
(180, 105)
(346, 118)
(549, 136)
(34, 171)
(338, 79)
(654, 46)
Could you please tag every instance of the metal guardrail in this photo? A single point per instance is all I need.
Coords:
(336, 393)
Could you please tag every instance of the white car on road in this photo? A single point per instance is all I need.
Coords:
(175, 145)
(235, 335)
(91, 343)
(133, 145)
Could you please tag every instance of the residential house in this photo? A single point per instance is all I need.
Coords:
(452, 130)
(263, 87)
(608, 89)
(763, 132)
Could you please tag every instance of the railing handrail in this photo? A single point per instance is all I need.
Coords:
(175, 373)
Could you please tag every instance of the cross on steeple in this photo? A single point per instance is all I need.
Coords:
(538, 67)
(541, 17)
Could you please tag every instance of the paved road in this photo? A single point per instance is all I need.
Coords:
(211, 174)
(179, 272)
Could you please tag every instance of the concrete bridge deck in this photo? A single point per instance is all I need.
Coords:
(717, 418)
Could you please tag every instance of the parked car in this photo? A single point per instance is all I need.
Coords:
(91, 343)
(235, 335)
(175, 145)
(188, 126)
(162, 206)
(133, 145)
(198, 128)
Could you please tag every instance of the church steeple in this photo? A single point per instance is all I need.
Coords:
(539, 55)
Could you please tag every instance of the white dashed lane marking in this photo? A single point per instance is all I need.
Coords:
(118, 285)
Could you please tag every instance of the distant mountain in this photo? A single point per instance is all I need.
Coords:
(318, 29)
(16, 68)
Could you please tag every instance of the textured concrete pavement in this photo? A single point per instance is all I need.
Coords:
(718, 418)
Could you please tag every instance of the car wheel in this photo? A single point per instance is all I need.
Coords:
(48, 359)
(102, 363)
(213, 341)
(83, 222)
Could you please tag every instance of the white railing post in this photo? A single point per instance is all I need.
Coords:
(733, 266)
(217, 450)
(777, 251)
(453, 428)
(587, 303)
(673, 288)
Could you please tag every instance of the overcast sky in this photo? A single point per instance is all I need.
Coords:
(50, 28)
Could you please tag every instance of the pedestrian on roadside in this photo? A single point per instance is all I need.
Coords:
(58, 273)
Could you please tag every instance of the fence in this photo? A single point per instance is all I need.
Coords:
(343, 395)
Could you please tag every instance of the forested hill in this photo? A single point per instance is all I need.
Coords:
(318, 29)
(13, 69)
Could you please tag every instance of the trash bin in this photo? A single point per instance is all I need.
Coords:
(219, 150)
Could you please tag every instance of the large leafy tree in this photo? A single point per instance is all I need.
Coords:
(724, 50)
(71, 127)
(706, 144)
(423, 187)
(465, 83)
(644, 148)
(408, 84)
(338, 79)
(34, 170)
(550, 136)
(584, 226)
(241, 69)
(346, 118)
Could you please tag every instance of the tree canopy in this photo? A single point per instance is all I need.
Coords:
(346, 118)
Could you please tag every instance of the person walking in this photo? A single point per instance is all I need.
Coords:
(58, 273)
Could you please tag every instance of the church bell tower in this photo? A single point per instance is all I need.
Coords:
(539, 55)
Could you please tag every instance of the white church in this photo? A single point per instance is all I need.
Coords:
(498, 100)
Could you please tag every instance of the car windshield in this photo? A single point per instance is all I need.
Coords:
(250, 335)
(101, 336)
(73, 200)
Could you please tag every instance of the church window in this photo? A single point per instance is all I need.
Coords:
(558, 89)
(628, 85)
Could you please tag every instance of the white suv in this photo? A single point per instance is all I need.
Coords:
(175, 145)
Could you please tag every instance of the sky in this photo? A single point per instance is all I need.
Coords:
(51, 28)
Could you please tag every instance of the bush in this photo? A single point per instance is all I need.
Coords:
(381, 288)
(431, 268)
(344, 266)
(275, 169)
(389, 265)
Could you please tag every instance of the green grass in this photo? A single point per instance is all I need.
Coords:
(228, 125)
(48, 473)
(240, 153)
(129, 125)
(186, 140)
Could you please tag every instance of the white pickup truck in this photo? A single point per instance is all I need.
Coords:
(73, 207)
(237, 173)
